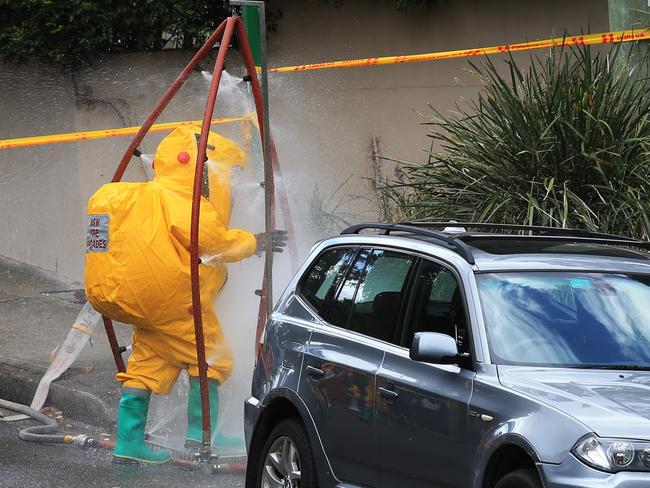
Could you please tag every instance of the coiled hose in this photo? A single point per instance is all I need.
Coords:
(48, 432)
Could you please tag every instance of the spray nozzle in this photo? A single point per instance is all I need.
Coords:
(137, 153)
(209, 146)
(247, 78)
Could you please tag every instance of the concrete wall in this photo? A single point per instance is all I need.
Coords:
(323, 121)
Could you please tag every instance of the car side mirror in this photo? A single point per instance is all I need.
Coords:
(434, 348)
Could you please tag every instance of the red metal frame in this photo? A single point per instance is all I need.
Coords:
(194, 229)
(224, 33)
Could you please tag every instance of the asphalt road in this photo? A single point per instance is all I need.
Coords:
(26, 465)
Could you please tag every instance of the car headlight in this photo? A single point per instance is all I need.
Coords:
(613, 455)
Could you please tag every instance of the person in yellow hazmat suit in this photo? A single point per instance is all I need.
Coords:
(138, 272)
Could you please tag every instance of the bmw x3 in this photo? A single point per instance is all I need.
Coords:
(475, 355)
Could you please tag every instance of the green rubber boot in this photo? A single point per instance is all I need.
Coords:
(194, 436)
(226, 442)
(194, 424)
(130, 447)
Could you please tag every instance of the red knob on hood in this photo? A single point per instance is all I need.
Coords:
(184, 157)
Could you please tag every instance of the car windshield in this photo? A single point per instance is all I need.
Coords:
(567, 319)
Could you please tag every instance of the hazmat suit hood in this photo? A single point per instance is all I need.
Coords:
(222, 149)
(175, 162)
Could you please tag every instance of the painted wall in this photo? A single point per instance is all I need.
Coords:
(323, 121)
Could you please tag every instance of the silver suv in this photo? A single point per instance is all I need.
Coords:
(485, 356)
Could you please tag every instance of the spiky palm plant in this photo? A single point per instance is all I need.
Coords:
(564, 143)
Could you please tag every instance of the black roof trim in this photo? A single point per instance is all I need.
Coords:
(459, 242)
(445, 240)
(562, 239)
(538, 230)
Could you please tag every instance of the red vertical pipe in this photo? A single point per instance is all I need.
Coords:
(166, 98)
(194, 231)
(247, 56)
(115, 347)
(284, 205)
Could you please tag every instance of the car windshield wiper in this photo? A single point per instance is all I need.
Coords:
(631, 367)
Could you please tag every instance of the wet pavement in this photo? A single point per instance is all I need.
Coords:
(37, 310)
(27, 465)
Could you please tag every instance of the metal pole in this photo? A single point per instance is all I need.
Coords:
(269, 224)
(250, 15)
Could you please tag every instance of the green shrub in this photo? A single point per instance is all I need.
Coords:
(76, 32)
(564, 143)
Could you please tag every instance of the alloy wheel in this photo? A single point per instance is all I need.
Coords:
(282, 465)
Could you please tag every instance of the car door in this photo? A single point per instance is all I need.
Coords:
(421, 409)
(343, 357)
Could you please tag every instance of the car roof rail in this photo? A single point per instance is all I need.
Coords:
(445, 240)
(573, 235)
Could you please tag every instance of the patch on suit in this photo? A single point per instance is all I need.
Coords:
(97, 236)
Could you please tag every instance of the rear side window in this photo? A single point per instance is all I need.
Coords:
(376, 307)
(319, 284)
(340, 311)
(370, 298)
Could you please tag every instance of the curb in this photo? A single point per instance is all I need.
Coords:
(18, 382)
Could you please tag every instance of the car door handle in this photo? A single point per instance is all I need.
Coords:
(315, 372)
(387, 393)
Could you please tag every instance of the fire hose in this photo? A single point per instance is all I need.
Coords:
(48, 432)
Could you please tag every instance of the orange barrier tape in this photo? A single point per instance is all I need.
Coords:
(102, 134)
(604, 38)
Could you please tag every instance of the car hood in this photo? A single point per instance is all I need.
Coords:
(611, 403)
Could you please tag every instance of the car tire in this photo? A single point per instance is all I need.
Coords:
(521, 478)
(287, 455)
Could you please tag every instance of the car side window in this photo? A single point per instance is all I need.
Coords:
(437, 305)
(340, 310)
(376, 307)
(371, 294)
(321, 281)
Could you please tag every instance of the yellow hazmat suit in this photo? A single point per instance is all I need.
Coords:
(138, 261)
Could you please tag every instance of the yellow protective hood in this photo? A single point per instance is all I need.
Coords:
(175, 163)
(225, 151)
(171, 165)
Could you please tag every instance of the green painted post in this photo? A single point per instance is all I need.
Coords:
(251, 18)
(632, 14)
